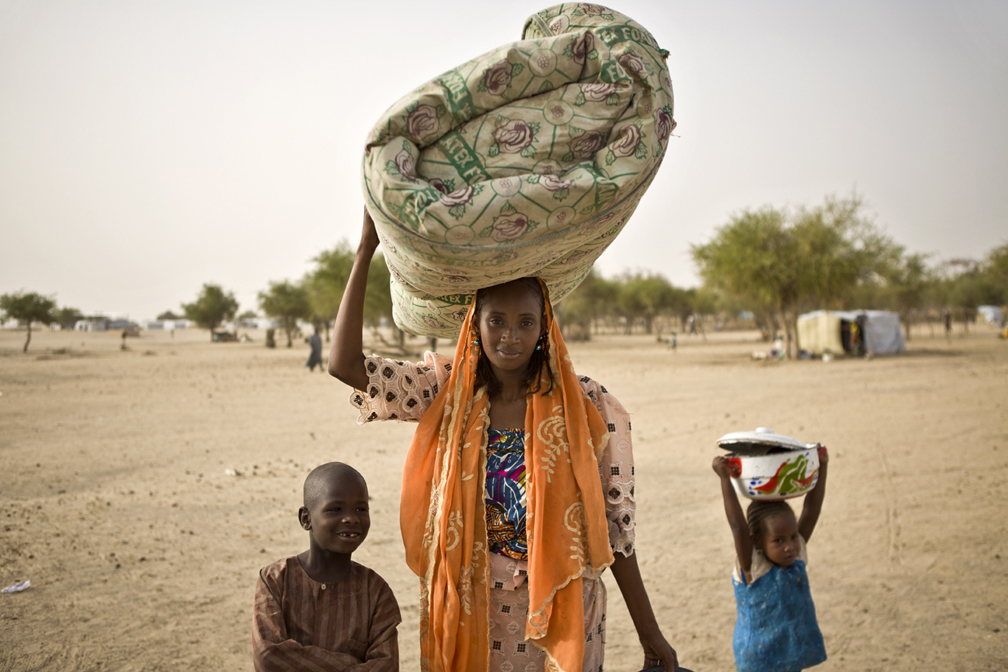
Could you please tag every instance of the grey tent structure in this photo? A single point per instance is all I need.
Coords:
(830, 331)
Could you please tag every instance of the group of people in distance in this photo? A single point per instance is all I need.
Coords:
(518, 492)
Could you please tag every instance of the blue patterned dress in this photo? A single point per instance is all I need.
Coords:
(776, 628)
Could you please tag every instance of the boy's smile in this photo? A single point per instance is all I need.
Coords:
(339, 519)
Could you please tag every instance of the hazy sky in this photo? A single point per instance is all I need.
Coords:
(149, 147)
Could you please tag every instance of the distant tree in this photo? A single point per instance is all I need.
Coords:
(67, 317)
(641, 297)
(169, 315)
(996, 272)
(287, 303)
(591, 301)
(784, 262)
(28, 307)
(906, 283)
(248, 315)
(211, 307)
(325, 284)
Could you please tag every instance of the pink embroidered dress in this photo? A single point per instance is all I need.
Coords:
(403, 391)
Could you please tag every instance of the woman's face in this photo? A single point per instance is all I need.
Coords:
(510, 324)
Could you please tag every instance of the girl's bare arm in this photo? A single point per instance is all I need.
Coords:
(657, 650)
(736, 519)
(814, 499)
(346, 358)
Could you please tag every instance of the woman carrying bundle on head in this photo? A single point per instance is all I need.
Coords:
(517, 487)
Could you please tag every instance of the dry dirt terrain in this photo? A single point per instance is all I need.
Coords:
(143, 489)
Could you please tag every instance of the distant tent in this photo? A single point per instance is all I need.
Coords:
(990, 314)
(830, 330)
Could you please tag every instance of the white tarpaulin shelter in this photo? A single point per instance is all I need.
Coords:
(990, 314)
(822, 330)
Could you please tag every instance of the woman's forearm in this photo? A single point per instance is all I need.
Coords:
(656, 647)
(346, 357)
(628, 578)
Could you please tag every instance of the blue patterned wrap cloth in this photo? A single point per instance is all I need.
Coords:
(776, 629)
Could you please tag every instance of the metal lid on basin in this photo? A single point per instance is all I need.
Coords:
(760, 441)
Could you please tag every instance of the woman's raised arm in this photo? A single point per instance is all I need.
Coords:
(346, 358)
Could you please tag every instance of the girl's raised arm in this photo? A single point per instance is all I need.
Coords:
(346, 358)
(736, 519)
(814, 499)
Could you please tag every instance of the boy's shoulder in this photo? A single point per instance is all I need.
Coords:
(368, 577)
(285, 571)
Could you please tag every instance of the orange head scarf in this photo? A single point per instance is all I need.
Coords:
(443, 518)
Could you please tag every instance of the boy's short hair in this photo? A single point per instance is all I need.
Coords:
(318, 479)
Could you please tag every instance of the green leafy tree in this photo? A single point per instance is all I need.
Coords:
(641, 297)
(784, 262)
(67, 317)
(906, 286)
(211, 307)
(326, 283)
(26, 308)
(287, 303)
(169, 315)
(754, 257)
(590, 302)
(996, 272)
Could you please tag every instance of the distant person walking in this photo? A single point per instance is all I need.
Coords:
(315, 358)
(947, 314)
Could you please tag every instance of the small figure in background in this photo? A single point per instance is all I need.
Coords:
(315, 358)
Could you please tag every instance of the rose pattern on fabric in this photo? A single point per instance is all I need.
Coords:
(597, 92)
(405, 164)
(633, 64)
(422, 122)
(441, 185)
(497, 77)
(514, 136)
(581, 47)
(554, 183)
(458, 197)
(626, 143)
(664, 124)
(593, 10)
(585, 145)
(510, 226)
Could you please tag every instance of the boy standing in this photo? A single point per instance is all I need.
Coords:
(320, 610)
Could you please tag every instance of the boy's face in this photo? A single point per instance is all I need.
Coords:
(780, 540)
(339, 520)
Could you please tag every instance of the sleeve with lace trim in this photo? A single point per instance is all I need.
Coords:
(400, 390)
(616, 469)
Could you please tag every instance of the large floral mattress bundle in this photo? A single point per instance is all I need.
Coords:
(525, 161)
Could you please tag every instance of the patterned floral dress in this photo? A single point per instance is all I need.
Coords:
(403, 391)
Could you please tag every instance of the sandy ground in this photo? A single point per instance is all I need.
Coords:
(143, 551)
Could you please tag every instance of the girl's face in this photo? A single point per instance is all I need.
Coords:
(780, 539)
(510, 324)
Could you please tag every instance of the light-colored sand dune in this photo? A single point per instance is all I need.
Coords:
(116, 500)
